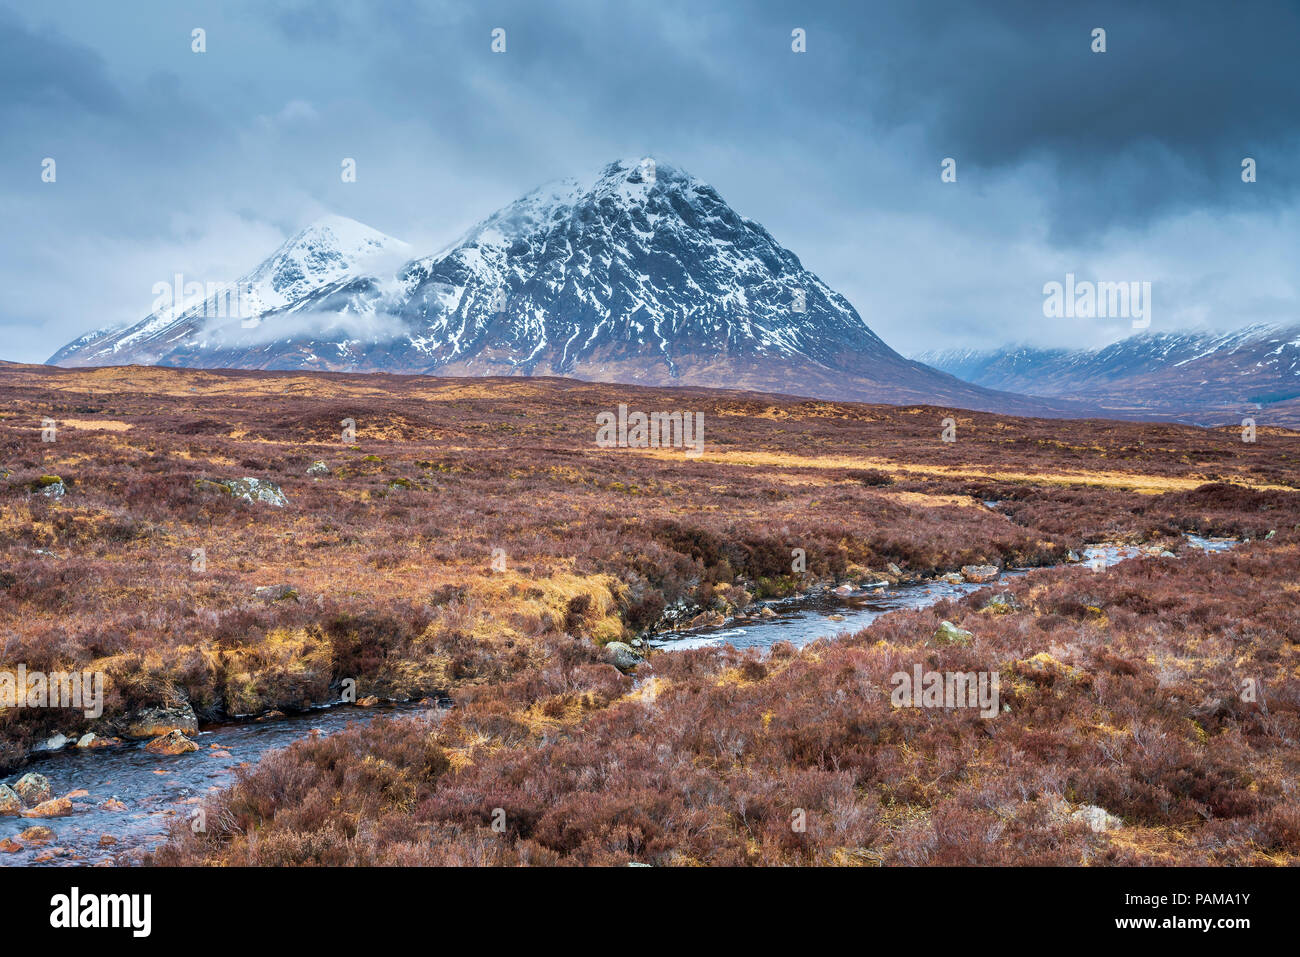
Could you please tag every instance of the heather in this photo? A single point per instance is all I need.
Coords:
(1121, 690)
(470, 541)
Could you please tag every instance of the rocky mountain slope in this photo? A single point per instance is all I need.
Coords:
(642, 274)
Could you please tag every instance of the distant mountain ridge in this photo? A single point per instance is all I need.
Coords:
(1210, 378)
(641, 274)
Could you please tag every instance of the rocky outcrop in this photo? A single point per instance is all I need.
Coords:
(152, 722)
(250, 490)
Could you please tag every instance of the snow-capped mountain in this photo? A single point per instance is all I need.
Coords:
(641, 274)
(192, 315)
(1208, 377)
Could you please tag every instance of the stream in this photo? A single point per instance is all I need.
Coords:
(135, 795)
(805, 619)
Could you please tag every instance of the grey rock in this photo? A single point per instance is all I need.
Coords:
(622, 656)
(273, 593)
(1097, 818)
(33, 788)
(1002, 602)
(949, 634)
(249, 489)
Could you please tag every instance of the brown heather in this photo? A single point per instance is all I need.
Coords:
(1133, 704)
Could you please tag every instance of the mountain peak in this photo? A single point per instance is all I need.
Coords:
(638, 273)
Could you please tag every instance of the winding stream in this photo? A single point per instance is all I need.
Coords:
(135, 795)
(804, 620)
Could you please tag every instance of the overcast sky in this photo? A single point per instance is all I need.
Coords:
(1123, 165)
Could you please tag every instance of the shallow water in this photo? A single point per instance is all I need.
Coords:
(156, 789)
(803, 621)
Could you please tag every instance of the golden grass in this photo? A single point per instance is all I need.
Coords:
(1131, 481)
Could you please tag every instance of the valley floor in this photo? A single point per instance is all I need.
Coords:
(470, 540)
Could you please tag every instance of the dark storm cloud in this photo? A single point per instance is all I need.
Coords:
(1162, 119)
(1125, 163)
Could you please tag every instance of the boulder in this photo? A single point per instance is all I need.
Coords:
(251, 490)
(55, 807)
(107, 840)
(11, 805)
(55, 742)
(149, 723)
(979, 574)
(92, 740)
(1002, 603)
(33, 788)
(272, 593)
(893, 570)
(622, 656)
(37, 834)
(949, 634)
(1097, 818)
(9, 846)
(844, 591)
(369, 701)
(318, 468)
(173, 742)
(50, 485)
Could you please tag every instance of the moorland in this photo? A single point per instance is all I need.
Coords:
(466, 540)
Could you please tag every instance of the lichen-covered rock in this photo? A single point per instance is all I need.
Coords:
(979, 574)
(249, 489)
(37, 834)
(1002, 603)
(50, 485)
(33, 788)
(272, 593)
(949, 634)
(152, 722)
(92, 740)
(11, 805)
(622, 656)
(318, 468)
(1097, 818)
(173, 742)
